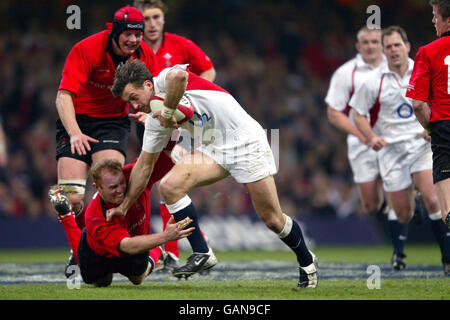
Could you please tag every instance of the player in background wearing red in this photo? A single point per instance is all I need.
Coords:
(92, 124)
(122, 246)
(170, 49)
(429, 87)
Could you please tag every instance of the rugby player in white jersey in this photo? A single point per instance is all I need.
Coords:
(228, 142)
(344, 83)
(401, 144)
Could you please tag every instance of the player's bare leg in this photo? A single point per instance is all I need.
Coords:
(266, 203)
(73, 171)
(371, 196)
(195, 169)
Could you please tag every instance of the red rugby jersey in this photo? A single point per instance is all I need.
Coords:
(176, 49)
(430, 79)
(89, 74)
(104, 236)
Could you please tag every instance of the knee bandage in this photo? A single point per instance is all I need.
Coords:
(75, 186)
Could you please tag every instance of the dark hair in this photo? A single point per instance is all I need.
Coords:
(443, 7)
(110, 165)
(145, 4)
(134, 71)
(390, 30)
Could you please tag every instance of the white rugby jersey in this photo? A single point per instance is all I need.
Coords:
(382, 95)
(216, 114)
(345, 81)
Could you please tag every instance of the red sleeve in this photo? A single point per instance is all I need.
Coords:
(198, 60)
(419, 83)
(76, 70)
(103, 237)
(162, 167)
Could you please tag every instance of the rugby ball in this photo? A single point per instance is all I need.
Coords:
(184, 111)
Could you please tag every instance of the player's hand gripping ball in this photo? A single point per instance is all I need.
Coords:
(183, 113)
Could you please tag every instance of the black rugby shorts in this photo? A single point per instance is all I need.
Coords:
(440, 145)
(112, 134)
(94, 267)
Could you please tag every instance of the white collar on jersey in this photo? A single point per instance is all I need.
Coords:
(385, 68)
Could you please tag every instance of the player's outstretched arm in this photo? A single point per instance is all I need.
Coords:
(140, 175)
(79, 142)
(143, 243)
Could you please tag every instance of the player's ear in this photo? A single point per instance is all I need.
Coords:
(408, 46)
(149, 84)
(357, 46)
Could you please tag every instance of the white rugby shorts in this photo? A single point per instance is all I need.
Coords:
(245, 153)
(398, 161)
(363, 160)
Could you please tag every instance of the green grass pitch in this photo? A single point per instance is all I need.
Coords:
(331, 286)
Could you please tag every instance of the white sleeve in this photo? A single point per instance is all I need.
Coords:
(156, 137)
(364, 98)
(339, 91)
(159, 82)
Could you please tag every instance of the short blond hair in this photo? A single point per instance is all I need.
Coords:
(110, 165)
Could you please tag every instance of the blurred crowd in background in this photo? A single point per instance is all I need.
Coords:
(275, 57)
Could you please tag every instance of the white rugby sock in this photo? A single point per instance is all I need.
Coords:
(179, 205)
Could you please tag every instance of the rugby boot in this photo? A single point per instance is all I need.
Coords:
(308, 274)
(197, 262)
(398, 261)
(60, 202)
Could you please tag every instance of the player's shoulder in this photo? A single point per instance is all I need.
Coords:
(347, 67)
(97, 40)
(174, 37)
(435, 46)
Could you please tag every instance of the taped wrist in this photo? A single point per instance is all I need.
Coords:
(167, 112)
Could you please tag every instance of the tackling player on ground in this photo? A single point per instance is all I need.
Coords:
(122, 246)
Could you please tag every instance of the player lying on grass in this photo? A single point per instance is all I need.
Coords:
(231, 143)
(122, 246)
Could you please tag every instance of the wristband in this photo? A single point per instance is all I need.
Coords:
(167, 112)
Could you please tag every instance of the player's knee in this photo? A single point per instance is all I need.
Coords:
(171, 188)
(370, 207)
(431, 202)
(137, 281)
(272, 221)
(404, 216)
(104, 282)
(75, 190)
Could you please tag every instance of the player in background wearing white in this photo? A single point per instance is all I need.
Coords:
(345, 81)
(229, 143)
(402, 145)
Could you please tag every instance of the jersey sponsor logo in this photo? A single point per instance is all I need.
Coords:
(405, 110)
(100, 86)
(135, 26)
